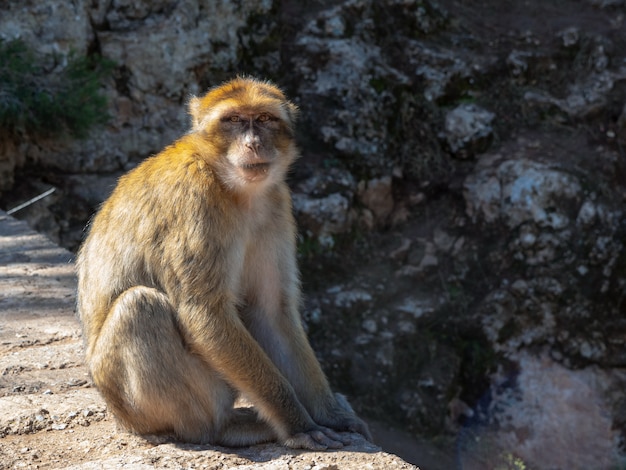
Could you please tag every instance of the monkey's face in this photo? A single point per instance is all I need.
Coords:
(249, 125)
(257, 145)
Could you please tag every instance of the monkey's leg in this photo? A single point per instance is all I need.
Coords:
(153, 384)
(245, 428)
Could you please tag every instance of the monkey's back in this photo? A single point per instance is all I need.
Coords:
(156, 221)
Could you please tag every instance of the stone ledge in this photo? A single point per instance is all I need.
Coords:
(50, 414)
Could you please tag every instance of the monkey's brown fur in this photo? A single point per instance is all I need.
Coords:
(189, 291)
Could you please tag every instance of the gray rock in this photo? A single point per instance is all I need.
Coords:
(518, 191)
(541, 406)
(585, 97)
(324, 216)
(376, 195)
(467, 129)
(144, 40)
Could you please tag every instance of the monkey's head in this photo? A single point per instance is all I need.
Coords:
(248, 126)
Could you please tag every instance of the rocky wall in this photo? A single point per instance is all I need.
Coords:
(460, 196)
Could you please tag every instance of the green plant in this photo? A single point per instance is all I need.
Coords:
(510, 462)
(309, 247)
(36, 100)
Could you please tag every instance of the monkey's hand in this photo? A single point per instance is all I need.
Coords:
(341, 417)
(320, 438)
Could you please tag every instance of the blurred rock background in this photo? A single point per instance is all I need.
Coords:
(461, 194)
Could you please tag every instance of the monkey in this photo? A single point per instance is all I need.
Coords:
(189, 293)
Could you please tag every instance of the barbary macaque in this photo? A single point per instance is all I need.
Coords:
(189, 292)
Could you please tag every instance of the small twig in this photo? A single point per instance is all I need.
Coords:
(31, 201)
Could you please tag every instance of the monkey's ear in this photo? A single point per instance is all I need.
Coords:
(292, 111)
(194, 111)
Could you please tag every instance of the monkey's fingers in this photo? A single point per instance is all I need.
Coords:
(312, 440)
(359, 426)
(329, 438)
(335, 436)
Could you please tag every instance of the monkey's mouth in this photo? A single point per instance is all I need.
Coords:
(256, 167)
(255, 171)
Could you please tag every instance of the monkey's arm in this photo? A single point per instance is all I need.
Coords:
(226, 345)
(274, 320)
(289, 348)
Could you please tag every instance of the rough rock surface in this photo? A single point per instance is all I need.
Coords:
(581, 396)
(460, 194)
(467, 129)
(51, 415)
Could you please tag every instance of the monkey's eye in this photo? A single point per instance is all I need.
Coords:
(233, 118)
(264, 118)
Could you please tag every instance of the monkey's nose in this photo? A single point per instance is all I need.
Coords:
(253, 145)
(253, 142)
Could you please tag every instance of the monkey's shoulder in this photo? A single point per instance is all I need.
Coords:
(177, 170)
